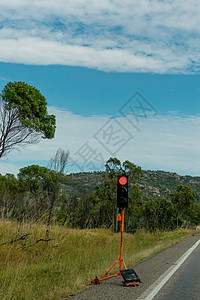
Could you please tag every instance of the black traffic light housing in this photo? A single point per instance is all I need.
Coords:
(122, 191)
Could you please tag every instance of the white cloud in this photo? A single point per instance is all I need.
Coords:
(124, 36)
(167, 142)
(36, 50)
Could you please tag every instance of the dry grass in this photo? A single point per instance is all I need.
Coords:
(70, 260)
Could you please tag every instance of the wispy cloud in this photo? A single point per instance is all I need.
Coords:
(167, 142)
(129, 36)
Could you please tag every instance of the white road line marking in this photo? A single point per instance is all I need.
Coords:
(151, 292)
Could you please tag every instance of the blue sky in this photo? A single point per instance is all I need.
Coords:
(91, 58)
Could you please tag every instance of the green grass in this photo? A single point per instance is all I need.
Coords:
(54, 271)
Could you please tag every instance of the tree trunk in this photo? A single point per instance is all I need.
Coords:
(52, 202)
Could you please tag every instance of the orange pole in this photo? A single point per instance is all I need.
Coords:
(121, 246)
(120, 259)
(109, 270)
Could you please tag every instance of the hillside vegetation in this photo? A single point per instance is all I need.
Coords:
(33, 268)
(153, 184)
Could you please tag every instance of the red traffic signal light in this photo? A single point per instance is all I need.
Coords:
(122, 191)
(122, 180)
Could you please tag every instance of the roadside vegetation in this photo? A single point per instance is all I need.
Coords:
(34, 267)
(40, 193)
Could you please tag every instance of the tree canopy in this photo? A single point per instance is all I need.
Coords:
(23, 117)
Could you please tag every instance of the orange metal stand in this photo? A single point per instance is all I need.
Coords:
(120, 259)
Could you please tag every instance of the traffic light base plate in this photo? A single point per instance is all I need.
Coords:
(134, 283)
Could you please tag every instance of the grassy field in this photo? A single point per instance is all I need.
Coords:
(70, 260)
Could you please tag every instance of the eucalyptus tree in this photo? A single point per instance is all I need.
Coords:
(55, 179)
(34, 180)
(182, 200)
(11, 197)
(23, 117)
(45, 184)
(106, 194)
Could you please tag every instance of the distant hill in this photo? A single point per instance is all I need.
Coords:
(83, 182)
(154, 184)
(159, 184)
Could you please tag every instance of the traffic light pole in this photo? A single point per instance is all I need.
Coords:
(120, 259)
(122, 239)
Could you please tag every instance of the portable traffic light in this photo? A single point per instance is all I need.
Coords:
(129, 275)
(122, 191)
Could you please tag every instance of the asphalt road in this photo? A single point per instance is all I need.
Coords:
(184, 283)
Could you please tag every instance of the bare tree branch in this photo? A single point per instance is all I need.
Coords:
(40, 240)
(12, 133)
(20, 238)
